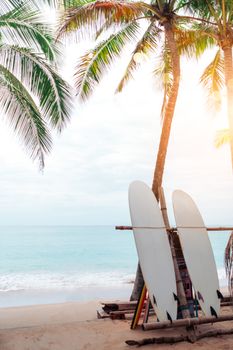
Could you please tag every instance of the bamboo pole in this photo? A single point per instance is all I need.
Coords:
(180, 288)
(186, 322)
(174, 229)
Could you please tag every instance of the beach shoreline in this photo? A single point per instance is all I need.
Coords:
(35, 297)
(30, 297)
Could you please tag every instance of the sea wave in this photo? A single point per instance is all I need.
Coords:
(65, 281)
(45, 280)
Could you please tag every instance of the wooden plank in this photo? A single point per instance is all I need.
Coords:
(128, 312)
(102, 314)
(131, 305)
(117, 306)
(186, 322)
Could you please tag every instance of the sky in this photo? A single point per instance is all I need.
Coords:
(112, 140)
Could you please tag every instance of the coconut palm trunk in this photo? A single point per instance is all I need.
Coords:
(228, 71)
(169, 112)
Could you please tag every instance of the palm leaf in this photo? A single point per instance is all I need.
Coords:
(67, 4)
(194, 42)
(23, 26)
(199, 7)
(93, 64)
(222, 137)
(147, 44)
(24, 116)
(8, 5)
(42, 80)
(213, 80)
(92, 15)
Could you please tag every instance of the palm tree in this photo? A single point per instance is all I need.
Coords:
(214, 19)
(125, 16)
(33, 97)
(158, 40)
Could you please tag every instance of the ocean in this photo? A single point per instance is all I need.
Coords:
(51, 264)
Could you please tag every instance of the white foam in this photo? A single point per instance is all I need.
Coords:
(68, 281)
(45, 280)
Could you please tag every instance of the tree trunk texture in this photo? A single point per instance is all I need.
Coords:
(164, 138)
(228, 71)
(138, 285)
(169, 111)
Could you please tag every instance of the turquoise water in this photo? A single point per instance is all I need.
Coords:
(71, 261)
(64, 256)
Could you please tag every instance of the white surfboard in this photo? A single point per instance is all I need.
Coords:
(153, 250)
(197, 252)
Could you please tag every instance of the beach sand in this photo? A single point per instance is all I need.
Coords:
(74, 326)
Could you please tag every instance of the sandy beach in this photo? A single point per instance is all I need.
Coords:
(74, 326)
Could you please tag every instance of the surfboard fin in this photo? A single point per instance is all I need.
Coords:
(154, 300)
(175, 297)
(219, 294)
(200, 297)
(169, 317)
(213, 312)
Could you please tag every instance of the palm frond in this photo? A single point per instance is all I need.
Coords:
(222, 137)
(24, 116)
(23, 26)
(92, 15)
(68, 4)
(146, 45)
(7, 5)
(42, 80)
(194, 42)
(93, 64)
(213, 80)
(200, 8)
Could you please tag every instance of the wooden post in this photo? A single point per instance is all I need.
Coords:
(180, 288)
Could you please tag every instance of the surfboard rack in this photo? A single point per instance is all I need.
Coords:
(126, 309)
(187, 321)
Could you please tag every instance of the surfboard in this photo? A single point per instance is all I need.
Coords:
(197, 252)
(153, 250)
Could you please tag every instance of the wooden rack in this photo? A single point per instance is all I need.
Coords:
(125, 310)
